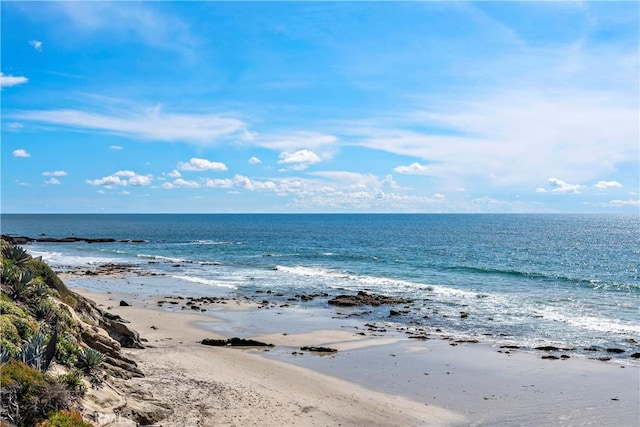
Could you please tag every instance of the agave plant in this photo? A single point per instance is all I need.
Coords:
(90, 359)
(9, 272)
(20, 288)
(4, 356)
(32, 353)
(16, 254)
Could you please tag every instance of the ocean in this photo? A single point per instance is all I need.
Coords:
(569, 281)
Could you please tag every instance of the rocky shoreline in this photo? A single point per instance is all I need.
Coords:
(21, 240)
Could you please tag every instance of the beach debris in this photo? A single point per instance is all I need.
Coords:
(319, 349)
(234, 342)
(364, 298)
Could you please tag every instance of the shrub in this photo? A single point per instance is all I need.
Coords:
(9, 336)
(39, 269)
(25, 325)
(89, 360)
(7, 306)
(43, 310)
(40, 289)
(64, 419)
(70, 300)
(72, 381)
(28, 395)
(67, 350)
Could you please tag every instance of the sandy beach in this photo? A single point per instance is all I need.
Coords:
(374, 377)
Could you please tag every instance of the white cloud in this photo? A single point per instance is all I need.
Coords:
(122, 179)
(541, 190)
(174, 174)
(14, 126)
(116, 147)
(146, 23)
(241, 181)
(559, 186)
(55, 173)
(254, 160)
(438, 196)
(148, 124)
(178, 183)
(412, 169)
(37, 45)
(554, 132)
(8, 81)
(20, 153)
(298, 160)
(52, 181)
(607, 184)
(298, 141)
(621, 203)
(199, 165)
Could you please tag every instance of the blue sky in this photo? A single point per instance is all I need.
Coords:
(320, 107)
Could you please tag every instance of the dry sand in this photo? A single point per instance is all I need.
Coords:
(212, 386)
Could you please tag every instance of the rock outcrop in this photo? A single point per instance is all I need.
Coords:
(364, 298)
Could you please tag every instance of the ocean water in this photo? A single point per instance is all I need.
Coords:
(530, 280)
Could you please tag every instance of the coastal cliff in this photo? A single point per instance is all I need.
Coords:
(62, 356)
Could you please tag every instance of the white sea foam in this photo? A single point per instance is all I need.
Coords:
(60, 259)
(208, 282)
(593, 323)
(214, 242)
(162, 258)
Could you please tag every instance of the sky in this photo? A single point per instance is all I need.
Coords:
(229, 107)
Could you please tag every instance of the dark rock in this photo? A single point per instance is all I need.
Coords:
(552, 348)
(615, 350)
(319, 349)
(512, 347)
(364, 298)
(464, 314)
(234, 342)
(635, 355)
(551, 357)
(124, 304)
(114, 317)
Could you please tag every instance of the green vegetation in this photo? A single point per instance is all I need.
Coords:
(29, 395)
(89, 360)
(35, 326)
(64, 419)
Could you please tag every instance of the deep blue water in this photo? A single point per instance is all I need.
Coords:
(564, 280)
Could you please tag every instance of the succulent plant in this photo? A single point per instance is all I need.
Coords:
(19, 256)
(90, 359)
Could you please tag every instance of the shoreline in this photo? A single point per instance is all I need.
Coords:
(431, 382)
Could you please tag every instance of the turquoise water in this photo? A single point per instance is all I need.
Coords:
(529, 280)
